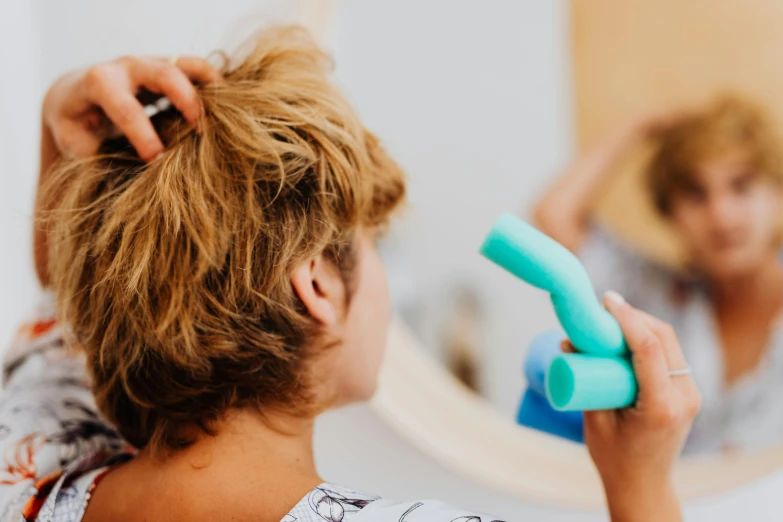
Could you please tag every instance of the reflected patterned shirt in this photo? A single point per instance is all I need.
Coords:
(55, 447)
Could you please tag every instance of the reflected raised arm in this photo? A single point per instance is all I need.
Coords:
(564, 211)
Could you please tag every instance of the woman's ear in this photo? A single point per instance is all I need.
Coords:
(318, 284)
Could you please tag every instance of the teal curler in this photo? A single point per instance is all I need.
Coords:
(544, 263)
(580, 382)
(598, 378)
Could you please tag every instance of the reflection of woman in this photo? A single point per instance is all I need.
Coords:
(224, 287)
(715, 176)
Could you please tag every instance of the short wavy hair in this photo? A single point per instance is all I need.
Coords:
(729, 121)
(174, 276)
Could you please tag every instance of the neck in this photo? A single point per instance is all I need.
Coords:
(249, 442)
(762, 284)
(254, 467)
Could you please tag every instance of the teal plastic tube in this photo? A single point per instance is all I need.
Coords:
(594, 383)
(541, 261)
(579, 382)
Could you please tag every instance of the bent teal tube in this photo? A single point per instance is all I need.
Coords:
(578, 382)
(541, 261)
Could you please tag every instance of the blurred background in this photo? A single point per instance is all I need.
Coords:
(483, 103)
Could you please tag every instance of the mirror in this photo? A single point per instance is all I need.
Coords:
(484, 119)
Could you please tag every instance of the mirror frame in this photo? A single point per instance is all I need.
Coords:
(424, 403)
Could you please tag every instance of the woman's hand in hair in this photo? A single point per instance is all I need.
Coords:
(83, 107)
(635, 448)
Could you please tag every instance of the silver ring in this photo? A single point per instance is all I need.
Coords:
(682, 371)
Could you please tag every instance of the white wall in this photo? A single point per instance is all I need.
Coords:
(20, 92)
(472, 97)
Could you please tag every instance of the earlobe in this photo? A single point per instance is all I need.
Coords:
(311, 282)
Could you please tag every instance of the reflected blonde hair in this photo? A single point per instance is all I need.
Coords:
(730, 121)
(174, 276)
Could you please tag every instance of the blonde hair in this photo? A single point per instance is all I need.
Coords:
(174, 276)
(730, 121)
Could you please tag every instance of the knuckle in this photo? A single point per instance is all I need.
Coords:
(126, 60)
(64, 141)
(664, 417)
(166, 71)
(694, 404)
(96, 76)
(125, 114)
(647, 344)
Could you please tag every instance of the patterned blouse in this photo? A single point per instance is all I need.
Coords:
(55, 447)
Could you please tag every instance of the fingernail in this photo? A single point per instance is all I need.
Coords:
(614, 297)
(158, 156)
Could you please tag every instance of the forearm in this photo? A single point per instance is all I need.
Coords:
(628, 504)
(564, 211)
(49, 155)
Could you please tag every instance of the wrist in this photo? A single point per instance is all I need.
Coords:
(629, 502)
(630, 134)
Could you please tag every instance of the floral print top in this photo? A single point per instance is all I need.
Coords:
(55, 447)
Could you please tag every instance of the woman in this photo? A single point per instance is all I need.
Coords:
(715, 177)
(216, 272)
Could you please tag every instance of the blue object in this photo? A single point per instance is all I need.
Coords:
(600, 377)
(534, 410)
(536, 413)
(543, 349)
